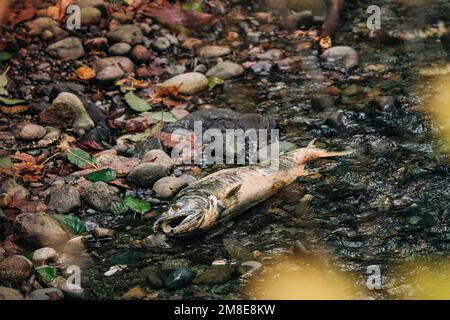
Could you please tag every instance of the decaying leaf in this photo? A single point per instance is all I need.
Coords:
(80, 158)
(214, 81)
(23, 15)
(14, 109)
(5, 56)
(136, 103)
(104, 175)
(174, 16)
(85, 73)
(11, 102)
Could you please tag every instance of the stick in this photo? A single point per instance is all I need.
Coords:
(332, 21)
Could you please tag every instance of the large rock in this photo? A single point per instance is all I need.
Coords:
(146, 174)
(226, 70)
(32, 132)
(64, 199)
(15, 269)
(41, 229)
(90, 16)
(101, 196)
(191, 83)
(10, 294)
(69, 48)
(127, 33)
(168, 187)
(44, 256)
(67, 104)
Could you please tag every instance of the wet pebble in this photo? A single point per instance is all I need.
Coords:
(127, 33)
(177, 278)
(69, 48)
(273, 54)
(146, 174)
(90, 16)
(262, 67)
(32, 132)
(209, 52)
(154, 280)
(161, 44)
(44, 256)
(226, 70)
(190, 83)
(140, 54)
(64, 199)
(215, 275)
(101, 196)
(342, 57)
(120, 49)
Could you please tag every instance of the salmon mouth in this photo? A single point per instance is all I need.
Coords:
(177, 223)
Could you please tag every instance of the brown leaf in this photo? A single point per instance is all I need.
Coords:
(174, 16)
(14, 109)
(85, 73)
(23, 15)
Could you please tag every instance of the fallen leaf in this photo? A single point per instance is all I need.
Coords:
(11, 102)
(14, 109)
(80, 158)
(136, 103)
(5, 56)
(85, 73)
(174, 16)
(104, 175)
(23, 15)
(53, 12)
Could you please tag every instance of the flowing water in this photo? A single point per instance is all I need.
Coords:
(386, 205)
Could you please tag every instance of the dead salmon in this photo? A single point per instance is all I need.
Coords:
(223, 195)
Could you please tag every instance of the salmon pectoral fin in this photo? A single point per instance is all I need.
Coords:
(322, 153)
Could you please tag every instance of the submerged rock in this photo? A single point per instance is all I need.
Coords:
(190, 83)
(341, 56)
(177, 278)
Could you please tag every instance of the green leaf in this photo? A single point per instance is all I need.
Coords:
(47, 273)
(80, 158)
(5, 56)
(105, 175)
(136, 204)
(5, 162)
(12, 102)
(214, 81)
(136, 103)
(119, 208)
(165, 116)
(73, 223)
(192, 6)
